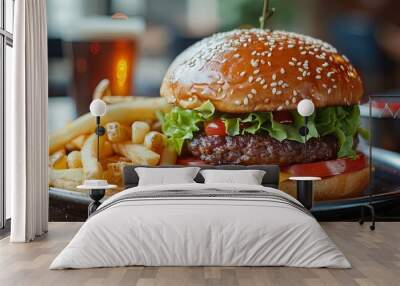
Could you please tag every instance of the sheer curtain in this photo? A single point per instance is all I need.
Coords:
(26, 124)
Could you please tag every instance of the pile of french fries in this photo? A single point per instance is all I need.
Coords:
(133, 136)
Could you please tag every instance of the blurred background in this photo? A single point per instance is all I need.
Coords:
(135, 48)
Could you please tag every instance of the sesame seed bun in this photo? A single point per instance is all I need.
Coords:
(259, 70)
(337, 187)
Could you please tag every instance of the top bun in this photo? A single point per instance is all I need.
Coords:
(260, 70)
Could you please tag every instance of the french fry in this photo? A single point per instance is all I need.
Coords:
(74, 160)
(73, 175)
(76, 143)
(117, 133)
(91, 168)
(123, 112)
(156, 126)
(138, 154)
(65, 184)
(112, 99)
(113, 159)
(113, 174)
(106, 150)
(168, 156)
(139, 131)
(62, 163)
(155, 141)
(102, 89)
(58, 160)
(65, 179)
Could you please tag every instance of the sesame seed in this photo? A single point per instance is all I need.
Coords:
(317, 76)
(294, 92)
(253, 91)
(265, 86)
(250, 79)
(274, 90)
(287, 102)
(269, 63)
(325, 64)
(253, 53)
(237, 102)
(245, 45)
(294, 99)
(282, 70)
(335, 86)
(256, 71)
(242, 73)
(294, 59)
(329, 91)
(267, 100)
(250, 96)
(254, 63)
(291, 63)
(274, 77)
(290, 46)
(273, 84)
(299, 78)
(280, 108)
(303, 53)
(245, 101)
(262, 81)
(278, 92)
(258, 79)
(263, 62)
(236, 56)
(280, 82)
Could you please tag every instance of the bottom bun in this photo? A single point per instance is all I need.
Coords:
(332, 188)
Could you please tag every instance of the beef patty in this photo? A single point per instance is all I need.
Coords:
(260, 149)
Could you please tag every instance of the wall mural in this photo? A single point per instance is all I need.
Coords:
(176, 129)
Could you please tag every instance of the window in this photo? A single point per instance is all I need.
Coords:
(6, 44)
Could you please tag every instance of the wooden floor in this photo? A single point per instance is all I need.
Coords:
(375, 257)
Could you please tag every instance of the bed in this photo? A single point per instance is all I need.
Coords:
(197, 224)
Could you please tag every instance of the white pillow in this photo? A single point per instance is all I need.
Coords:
(166, 176)
(248, 177)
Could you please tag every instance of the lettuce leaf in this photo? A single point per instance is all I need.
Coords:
(179, 124)
(343, 122)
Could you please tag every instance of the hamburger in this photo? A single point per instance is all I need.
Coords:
(236, 94)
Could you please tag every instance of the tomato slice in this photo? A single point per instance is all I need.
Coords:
(283, 117)
(215, 127)
(328, 168)
(190, 161)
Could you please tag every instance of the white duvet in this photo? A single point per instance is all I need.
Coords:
(200, 231)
